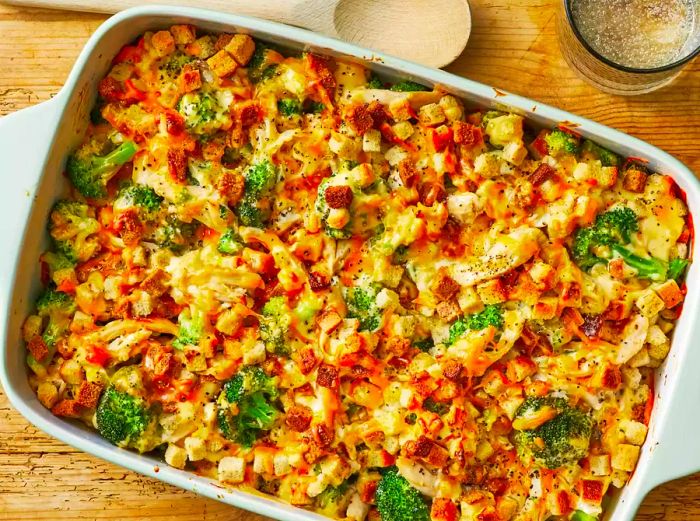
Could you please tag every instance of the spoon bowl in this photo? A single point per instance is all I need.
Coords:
(429, 32)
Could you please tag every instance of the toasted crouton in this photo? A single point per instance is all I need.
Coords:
(241, 47)
(88, 394)
(67, 408)
(670, 293)
(635, 180)
(163, 43)
(183, 33)
(222, 64)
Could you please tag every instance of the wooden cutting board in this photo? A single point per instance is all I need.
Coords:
(513, 47)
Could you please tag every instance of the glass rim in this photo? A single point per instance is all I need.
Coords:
(615, 65)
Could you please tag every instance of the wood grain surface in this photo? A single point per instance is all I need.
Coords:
(513, 47)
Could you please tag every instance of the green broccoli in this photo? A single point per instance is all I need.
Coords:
(425, 344)
(333, 501)
(90, 172)
(408, 86)
(613, 229)
(491, 315)
(174, 234)
(440, 408)
(254, 394)
(174, 63)
(191, 329)
(230, 243)
(72, 228)
(289, 107)
(260, 181)
(142, 197)
(676, 268)
(324, 210)
(398, 500)
(606, 157)
(562, 142)
(374, 82)
(121, 418)
(362, 305)
(203, 112)
(580, 515)
(561, 440)
(313, 107)
(261, 67)
(489, 115)
(59, 308)
(275, 322)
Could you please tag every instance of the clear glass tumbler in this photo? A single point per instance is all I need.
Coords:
(609, 76)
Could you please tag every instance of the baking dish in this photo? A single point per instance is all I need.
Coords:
(34, 142)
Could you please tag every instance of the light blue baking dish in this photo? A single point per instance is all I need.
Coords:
(33, 147)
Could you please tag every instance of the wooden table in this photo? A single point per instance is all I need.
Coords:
(513, 47)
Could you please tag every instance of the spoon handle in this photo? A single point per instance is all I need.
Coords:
(285, 11)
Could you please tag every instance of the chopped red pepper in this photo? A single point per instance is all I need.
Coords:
(130, 53)
(98, 356)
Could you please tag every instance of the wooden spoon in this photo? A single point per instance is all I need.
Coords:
(430, 32)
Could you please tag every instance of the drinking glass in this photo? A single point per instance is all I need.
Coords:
(609, 76)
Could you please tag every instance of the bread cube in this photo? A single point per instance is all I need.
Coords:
(670, 293)
(241, 47)
(659, 351)
(231, 470)
(175, 456)
(372, 141)
(395, 155)
(222, 64)
(514, 152)
(400, 109)
(625, 457)
(163, 43)
(641, 359)
(183, 34)
(431, 114)
(263, 462)
(281, 464)
(343, 146)
(196, 448)
(402, 130)
(451, 107)
(491, 292)
(635, 432)
(649, 303)
(599, 465)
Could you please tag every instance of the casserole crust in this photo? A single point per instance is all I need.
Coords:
(402, 277)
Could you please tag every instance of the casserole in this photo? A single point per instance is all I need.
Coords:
(72, 105)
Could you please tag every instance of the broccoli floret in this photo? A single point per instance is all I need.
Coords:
(676, 268)
(398, 500)
(562, 439)
(191, 329)
(289, 107)
(121, 418)
(333, 501)
(260, 181)
(613, 229)
(274, 326)
(202, 112)
(61, 268)
(606, 157)
(174, 234)
(313, 107)
(439, 408)
(324, 210)
(580, 515)
(253, 393)
(491, 315)
(374, 82)
(175, 62)
(261, 67)
(425, 344)
(408, 86)
(72, 227)
(561, 142)
(59, 308)
(489, 115)
(362, 305)
(230, 243)
(142, 197)
(90, 173)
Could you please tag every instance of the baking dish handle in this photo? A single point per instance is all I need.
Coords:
(25, 137)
